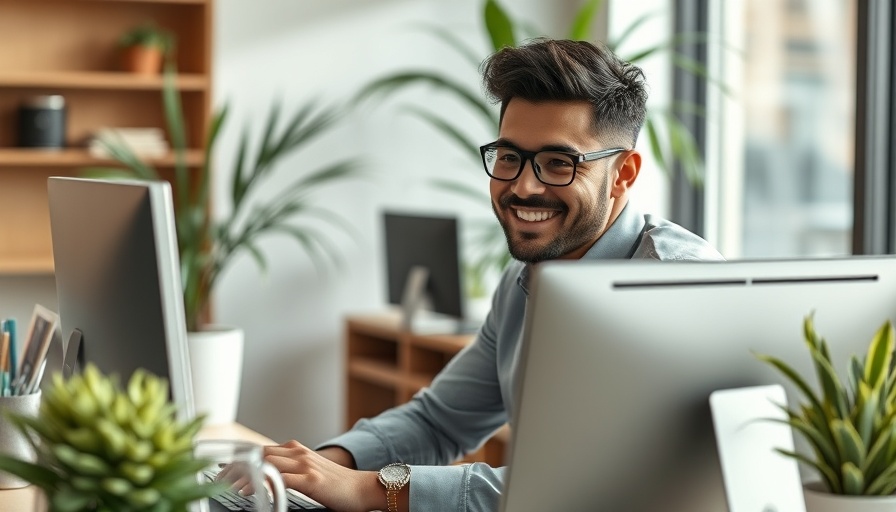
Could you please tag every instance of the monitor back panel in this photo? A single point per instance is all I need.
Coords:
(116, 277)
(620, 358)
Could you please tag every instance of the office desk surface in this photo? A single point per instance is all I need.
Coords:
(22, 500)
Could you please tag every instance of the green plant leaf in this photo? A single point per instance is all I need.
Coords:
(854, 373)
(67, 499)
(697, 69)
(876, 461)
(580, 30)
(394, 82)
(684, 148)
(499, 25)
(122, 152)
(853, 479)
(828, 474)
(879, 357)
(453, 41)
(214, 130)
(451, 132)
(463, 189)
(793, 376)
(866, 411)
(630, 29)
(34, 474)
(821, 444)
(656, 148)
(834, 393)
(882, 481)
(174, 118)
(849, 442)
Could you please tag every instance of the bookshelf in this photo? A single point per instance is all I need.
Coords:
(386, 365)
(69, 47)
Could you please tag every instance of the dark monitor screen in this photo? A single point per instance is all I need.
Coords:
(429, 242)
(117, 278)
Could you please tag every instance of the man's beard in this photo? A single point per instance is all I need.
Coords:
(584, 229)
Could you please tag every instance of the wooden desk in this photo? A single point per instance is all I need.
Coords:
(22, 500)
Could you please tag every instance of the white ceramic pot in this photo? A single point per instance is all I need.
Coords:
(819, 500)
(216, 364)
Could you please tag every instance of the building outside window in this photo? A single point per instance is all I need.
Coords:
(780, 143)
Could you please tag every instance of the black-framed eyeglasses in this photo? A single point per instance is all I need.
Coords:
(555, 168)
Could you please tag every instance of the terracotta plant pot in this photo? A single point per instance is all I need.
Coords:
(143, 60)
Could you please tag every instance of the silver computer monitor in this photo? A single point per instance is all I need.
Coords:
(619, 360)
(117, 278)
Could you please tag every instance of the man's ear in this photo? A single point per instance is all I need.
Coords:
(627, 174)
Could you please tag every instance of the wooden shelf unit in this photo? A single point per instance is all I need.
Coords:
(386, 366)
(69, 47)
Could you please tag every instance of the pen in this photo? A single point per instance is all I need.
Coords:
(4, 364)
(9, 326)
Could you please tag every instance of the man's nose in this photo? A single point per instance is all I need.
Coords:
(527, 183)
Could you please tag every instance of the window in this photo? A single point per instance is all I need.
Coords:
(781, 142)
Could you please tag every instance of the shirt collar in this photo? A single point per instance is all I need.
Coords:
(619, 241)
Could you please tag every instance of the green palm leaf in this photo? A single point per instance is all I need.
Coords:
(392, 83)
(499, 26)
(581, 25)
(450, 131)
(630, 29)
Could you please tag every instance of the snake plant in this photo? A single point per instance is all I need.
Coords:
(850, 423)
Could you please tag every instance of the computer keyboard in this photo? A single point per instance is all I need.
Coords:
(234, 502)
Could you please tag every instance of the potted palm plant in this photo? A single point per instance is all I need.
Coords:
(850, 426)
(144, 48)
(207, 246)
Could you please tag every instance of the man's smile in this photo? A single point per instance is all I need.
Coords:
(531, 215)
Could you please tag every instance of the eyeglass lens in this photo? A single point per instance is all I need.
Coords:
(551, 167)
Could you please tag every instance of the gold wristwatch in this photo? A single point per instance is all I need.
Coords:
(394, 477)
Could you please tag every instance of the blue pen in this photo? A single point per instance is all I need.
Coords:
(9, 325)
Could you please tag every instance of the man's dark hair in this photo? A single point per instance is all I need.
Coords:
(562, 70)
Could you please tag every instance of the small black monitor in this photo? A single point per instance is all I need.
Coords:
(118, 280)
(422, 256)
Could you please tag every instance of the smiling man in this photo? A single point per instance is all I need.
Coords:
(561, 170)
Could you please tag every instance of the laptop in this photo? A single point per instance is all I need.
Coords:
(619, 360)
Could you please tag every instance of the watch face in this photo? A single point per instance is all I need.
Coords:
(395, 473)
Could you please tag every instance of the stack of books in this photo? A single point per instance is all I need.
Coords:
(143, 142)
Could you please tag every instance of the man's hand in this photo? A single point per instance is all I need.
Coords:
(339, 455)
(327, 480)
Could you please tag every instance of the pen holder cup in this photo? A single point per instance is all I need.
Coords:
(12, 441)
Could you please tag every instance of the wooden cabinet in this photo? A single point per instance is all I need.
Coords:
(69, 47)
(386, 365)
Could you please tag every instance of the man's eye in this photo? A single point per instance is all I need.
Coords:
(509, 157)
(558, 163)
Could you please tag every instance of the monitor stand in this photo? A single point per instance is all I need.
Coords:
(73, 357)
(416, 306)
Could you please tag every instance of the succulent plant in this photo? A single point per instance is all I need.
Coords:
(851, 424)
(100, 447)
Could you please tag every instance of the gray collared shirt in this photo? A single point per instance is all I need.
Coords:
(473, 395)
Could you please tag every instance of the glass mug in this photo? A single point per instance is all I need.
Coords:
(241, 464)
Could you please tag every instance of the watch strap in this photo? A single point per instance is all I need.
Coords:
(387, 477)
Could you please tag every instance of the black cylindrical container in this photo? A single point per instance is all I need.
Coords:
(42, 122)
